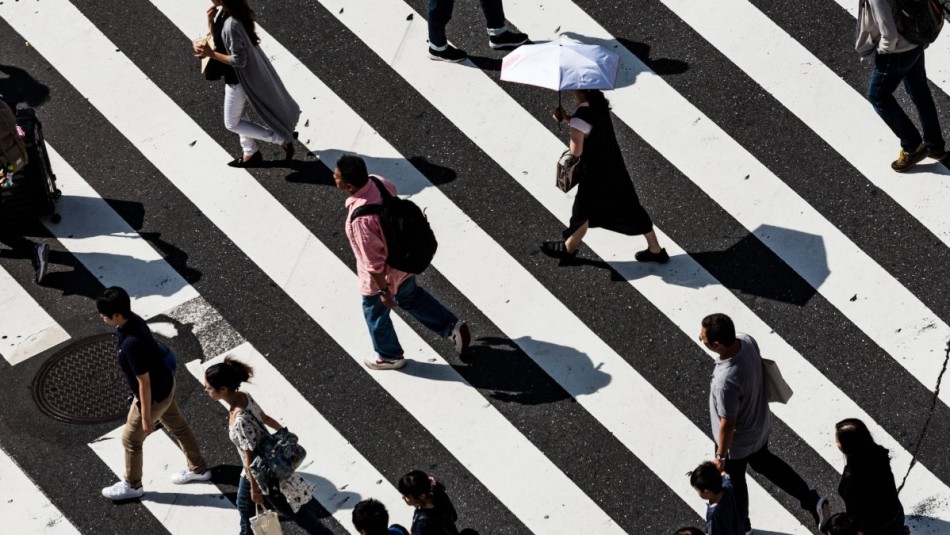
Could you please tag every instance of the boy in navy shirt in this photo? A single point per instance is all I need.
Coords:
(722, 515)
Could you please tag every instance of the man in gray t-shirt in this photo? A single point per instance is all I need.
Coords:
(741, 421)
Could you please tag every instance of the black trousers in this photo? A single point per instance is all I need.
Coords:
(775, 470)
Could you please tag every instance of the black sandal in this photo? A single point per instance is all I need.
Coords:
(557, 249)
(646, 256)
(255, 160)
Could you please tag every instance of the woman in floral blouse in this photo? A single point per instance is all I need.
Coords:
(293, 496)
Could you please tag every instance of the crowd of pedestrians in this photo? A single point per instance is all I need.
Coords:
(740, 417)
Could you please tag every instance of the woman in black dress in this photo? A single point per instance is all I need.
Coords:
(605, 197)
(867, 484)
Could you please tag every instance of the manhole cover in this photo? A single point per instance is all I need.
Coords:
(82, 383)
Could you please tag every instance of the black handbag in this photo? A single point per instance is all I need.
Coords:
(569, 171)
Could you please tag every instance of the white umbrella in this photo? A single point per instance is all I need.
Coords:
(561, 65)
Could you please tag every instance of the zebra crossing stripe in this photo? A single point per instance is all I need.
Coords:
(341, 474)
(110, 249)
(29, 331)
(182, 509)
(23, 506)
(488, 445)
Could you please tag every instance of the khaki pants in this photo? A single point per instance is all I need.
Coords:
(165, 411)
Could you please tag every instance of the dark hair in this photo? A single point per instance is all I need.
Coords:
(241, 10)
(353, 170)
(418, 483)
(839, 524)
(706, 477)
(719, 328)
(856, 440)
(596, 98)
(371, 516)
(114, 301)
(689, 531)
(228, 374)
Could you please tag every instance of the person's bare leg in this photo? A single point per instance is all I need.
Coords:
(652, 243)
(574, 241)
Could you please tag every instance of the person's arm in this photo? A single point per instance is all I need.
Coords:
(577, 142)
(727, 430)
(145, 402)
(272, 423)
(883, 14)
(204, 50)
(371, 248)
(256, 495)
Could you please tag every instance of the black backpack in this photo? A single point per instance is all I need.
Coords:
(919, 21)
(409, 238)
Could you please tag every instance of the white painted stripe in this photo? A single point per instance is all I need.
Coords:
(182, 509)
(112, 250)
(23, 506)
(521, 148)
(343, 477)
(558, 341)
(25, 328)
(480, 437)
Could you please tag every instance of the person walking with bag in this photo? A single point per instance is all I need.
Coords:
(898, 60)
(152, 383)
(741, 420)
(867, 483)
(249, 77)
(382, 286)
(434, 514)
(605, 197)
(292, 496)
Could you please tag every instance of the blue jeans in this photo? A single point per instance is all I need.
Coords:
(907, 67)
(440, 13)
(308, 517)
(414, 300)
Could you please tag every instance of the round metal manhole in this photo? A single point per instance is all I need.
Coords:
(82, 383)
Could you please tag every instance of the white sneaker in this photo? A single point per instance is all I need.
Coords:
(122, 491)
(379, 363)
(187, 476)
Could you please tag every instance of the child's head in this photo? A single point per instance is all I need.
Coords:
(689, 531)
(370, 518)
(707, 480)
(840, 524)
(416, 489)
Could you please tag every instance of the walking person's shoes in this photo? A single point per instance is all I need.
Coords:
(122, 491)
(40, 260)
(938, 155)
(557, 249)
(379, 363)
(906, 160)
(822, 511)
(255, 160)
(508, 39)
(449, 54)
(646, 256)
(187, 476)
(461, 336)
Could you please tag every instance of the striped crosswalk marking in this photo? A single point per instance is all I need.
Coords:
(26, 329)
(23, 505)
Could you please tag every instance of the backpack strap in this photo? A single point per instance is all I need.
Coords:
(382, 189)
(366, 209)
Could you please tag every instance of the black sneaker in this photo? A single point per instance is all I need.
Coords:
(557, 249)
(40, 260)
(936, 154)
(450, 54)
(646, 256)
(906, 160)
(508, 39)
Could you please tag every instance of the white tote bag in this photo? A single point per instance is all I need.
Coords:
(265, 523)
(776, 389)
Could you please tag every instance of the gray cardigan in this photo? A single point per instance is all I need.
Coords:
(257, 76)
(877, 30)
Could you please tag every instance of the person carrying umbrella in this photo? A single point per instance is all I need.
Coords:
(606, 197)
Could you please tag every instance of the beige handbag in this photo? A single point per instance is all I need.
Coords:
(204, 61)
(266, 522)
(568, 171)
(776, 389)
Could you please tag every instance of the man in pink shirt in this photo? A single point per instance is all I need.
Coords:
(381, 286)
